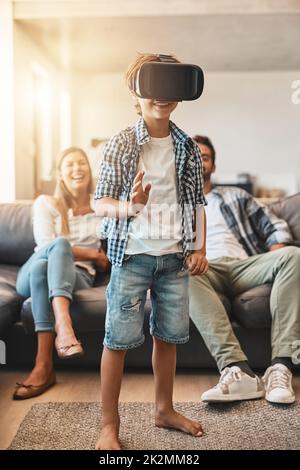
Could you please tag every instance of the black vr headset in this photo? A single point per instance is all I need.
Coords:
(168, 80)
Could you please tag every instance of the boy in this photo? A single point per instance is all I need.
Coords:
(148, 172)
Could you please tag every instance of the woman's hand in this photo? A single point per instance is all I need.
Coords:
(101, 261)
(197, 263)
(98, 257)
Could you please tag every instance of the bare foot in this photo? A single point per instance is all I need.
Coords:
(174, 420)
(109, 438)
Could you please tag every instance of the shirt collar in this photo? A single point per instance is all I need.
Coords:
(217, 190)
(143, 136)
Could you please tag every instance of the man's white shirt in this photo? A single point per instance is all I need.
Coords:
(220, 241)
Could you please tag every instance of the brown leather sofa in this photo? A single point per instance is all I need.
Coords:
(249, 312)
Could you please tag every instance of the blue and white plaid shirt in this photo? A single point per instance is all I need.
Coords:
(255, 226)
(118, 169)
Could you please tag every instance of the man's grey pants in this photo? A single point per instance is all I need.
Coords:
(230, 277)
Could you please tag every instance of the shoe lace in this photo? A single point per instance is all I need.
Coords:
(276, 378)
(229, 375)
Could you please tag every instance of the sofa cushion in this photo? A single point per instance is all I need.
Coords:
(16, 235)
(289, 210)
(251, 309)
(10, 302)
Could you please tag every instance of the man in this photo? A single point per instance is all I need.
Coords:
(246, 247)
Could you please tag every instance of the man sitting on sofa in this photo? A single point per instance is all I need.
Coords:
(246, 247)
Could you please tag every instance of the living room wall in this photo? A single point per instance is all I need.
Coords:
(249, 116)
(28, 52)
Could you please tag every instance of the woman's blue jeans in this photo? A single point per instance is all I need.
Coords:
(51, 272)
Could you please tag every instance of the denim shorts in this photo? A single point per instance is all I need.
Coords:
(126, 294)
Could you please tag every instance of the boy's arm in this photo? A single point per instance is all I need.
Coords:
(110, 178)
(111, 207)
(197, 262)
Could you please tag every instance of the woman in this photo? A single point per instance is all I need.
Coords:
(66, 258)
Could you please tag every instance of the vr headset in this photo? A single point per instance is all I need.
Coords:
(168, 80)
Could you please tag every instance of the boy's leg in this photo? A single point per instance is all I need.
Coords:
(169, 325)
(112, 365)
(126, 296)
(164, 366)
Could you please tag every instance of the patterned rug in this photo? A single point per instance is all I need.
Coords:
(241, 425)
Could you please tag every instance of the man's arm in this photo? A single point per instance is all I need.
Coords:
(273, 231)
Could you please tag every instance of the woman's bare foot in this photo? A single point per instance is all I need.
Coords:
(109, 438)
(172, 419)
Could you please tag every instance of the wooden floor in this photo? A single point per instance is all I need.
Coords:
(85, 386)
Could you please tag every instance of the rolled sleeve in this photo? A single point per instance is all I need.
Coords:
(109, 182)
(266, 224)
(200, 198)
(44, 216)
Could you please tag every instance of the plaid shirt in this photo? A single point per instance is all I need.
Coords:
(118, 169)
(255, 226)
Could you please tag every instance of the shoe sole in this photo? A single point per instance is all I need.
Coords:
(288, 401)
(238, 397)
(64, 358)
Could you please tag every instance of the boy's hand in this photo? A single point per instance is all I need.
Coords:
(139, 195)
(197, 263)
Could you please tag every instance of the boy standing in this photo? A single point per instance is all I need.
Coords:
(149, 189)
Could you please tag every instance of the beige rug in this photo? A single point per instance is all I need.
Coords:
(245, 425)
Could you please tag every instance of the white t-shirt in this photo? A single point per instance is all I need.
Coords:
(220, 241)
(157, 229)
(83, 228)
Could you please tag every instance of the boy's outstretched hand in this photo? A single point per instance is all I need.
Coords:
(139, 195)
(197, 263)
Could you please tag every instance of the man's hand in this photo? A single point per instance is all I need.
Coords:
(139, 195)
(197, 263)
(276, 246)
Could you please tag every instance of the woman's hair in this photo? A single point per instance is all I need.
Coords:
(62, 198)
(135, 66)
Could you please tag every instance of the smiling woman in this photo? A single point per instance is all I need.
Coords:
(67, 255)
(74, 176)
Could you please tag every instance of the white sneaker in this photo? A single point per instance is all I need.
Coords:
(278, 384)
(234, 385)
